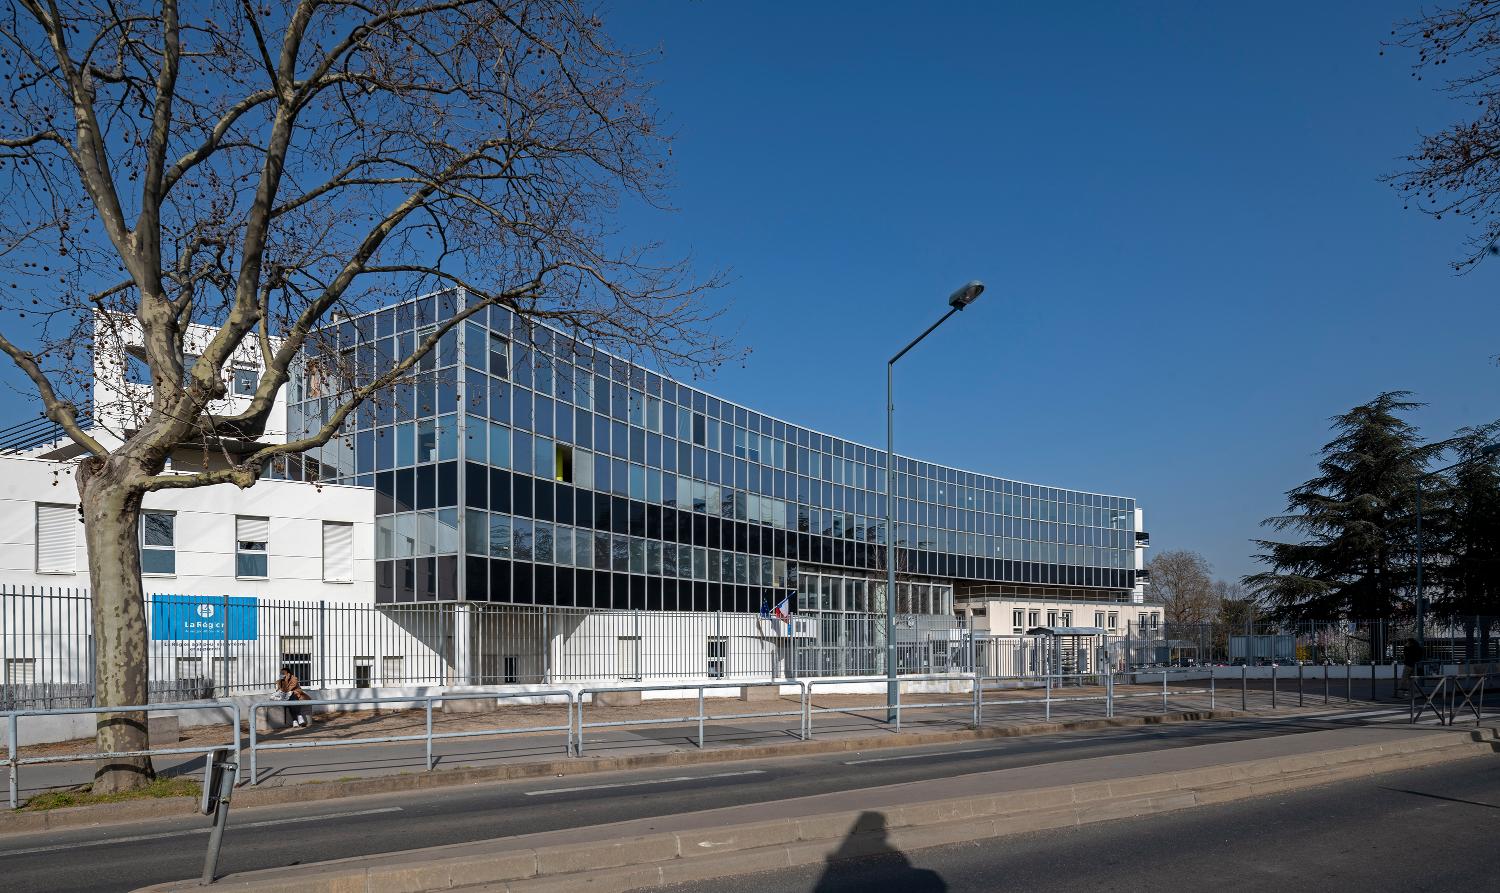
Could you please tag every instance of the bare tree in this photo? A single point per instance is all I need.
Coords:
(1182, 581)
(1455, 171)
(257, 168)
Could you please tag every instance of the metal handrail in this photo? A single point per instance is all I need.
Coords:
(1048, 699)
(15, 761)
(701, 716)
(896, 708)
(428, 735)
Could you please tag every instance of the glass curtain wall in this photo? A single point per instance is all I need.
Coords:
(519, 465)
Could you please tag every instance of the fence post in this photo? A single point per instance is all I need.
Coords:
(254, 775)
(12, 739)
(1213, 678)
(225, 661)
(700, 717)
(1244, 687)
(1163, 691)
(1049, 697)
(1299, 683)
(429, 733)
(1273, 685)
(546, 647)
(1348, 682)
(1325, 681)
(323, 644)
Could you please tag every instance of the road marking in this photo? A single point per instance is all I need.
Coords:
(168, 834)
(633, 784)
(916, 756)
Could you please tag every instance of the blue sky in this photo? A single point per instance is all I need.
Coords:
(1191, 263)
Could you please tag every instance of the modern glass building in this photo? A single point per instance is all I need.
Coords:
(521, 466)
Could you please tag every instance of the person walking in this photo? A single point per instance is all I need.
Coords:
(1411, 660)
(289, 688)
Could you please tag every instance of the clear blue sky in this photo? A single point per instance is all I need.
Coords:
(1191, 264)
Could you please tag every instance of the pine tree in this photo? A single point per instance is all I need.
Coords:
(1357, 519)
(1463, 539)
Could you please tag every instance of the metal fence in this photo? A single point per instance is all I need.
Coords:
(206, 646)
(1448, 640)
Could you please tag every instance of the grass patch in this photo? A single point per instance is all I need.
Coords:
(161, 787)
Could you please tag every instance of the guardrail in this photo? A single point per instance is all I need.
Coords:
(428, 735)
(1450, 694)
(1211, 691)
(1048, 684)
(15, 761)
(702, 716)
(897, 708)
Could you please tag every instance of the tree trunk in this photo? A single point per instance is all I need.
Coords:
(111, 515)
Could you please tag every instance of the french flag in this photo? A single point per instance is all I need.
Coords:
(783, 613)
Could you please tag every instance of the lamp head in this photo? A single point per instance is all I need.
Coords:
(966, 295)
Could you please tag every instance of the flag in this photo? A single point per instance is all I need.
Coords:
(783, 613)
(765, 609)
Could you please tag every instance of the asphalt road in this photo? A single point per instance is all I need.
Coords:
(1426, 829)
(124, 857)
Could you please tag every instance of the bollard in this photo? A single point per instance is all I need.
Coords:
(1299, 683)
(1244, 687)
(700, 719)
(218, 786)
(1049, 698)
(1163, 691)
(1325, 683)
(1273, 685)
(1348, 683)
(1212, 688)
(429, 734)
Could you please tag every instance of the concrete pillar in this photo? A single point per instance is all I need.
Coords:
(463, 638)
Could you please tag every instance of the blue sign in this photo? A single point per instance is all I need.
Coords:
(202, 618)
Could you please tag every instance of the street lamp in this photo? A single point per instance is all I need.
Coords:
(1487, 451)
(963, 297)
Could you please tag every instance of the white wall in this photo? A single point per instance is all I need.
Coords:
(997, 616)
(204, 534)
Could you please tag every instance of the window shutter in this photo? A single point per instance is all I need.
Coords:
(56, 538)
(338, 552)
(252, 530)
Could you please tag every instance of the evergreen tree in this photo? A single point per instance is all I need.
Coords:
(1357, 520)
(1463, 542)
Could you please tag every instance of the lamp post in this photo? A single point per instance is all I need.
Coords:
(1485, 452)
(957, 301)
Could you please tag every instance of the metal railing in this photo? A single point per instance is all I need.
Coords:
(896, 709)
(702, 715)
(427, 736)
(1450, 694)
(15, 761)
(1048, 685)
(1211, 691)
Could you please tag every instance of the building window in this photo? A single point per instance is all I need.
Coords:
(1114, 620)
(296, 655)
(1067, 618)
(512, 669)
(158, 543)
(391, 670)
(245, 381)
(562, 463)
(1033, 618)
(338, 552)
(718, 651)
(364, 672)
(1052, 618)
(1018, 620)
(1099, 619)
(20, 671)
(250, 538)
(224, 674)
(499, 356)
(56, 534)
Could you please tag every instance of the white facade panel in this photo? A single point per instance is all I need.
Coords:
(205, 535)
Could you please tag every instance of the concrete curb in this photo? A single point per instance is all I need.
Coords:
(23, 822)
(669, 858)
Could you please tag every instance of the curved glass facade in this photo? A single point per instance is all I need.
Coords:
(525, 467)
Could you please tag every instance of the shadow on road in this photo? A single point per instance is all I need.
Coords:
(867, 861)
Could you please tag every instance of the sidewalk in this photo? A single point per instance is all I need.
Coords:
(722, 842)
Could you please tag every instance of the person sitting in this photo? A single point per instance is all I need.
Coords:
(290, 689)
